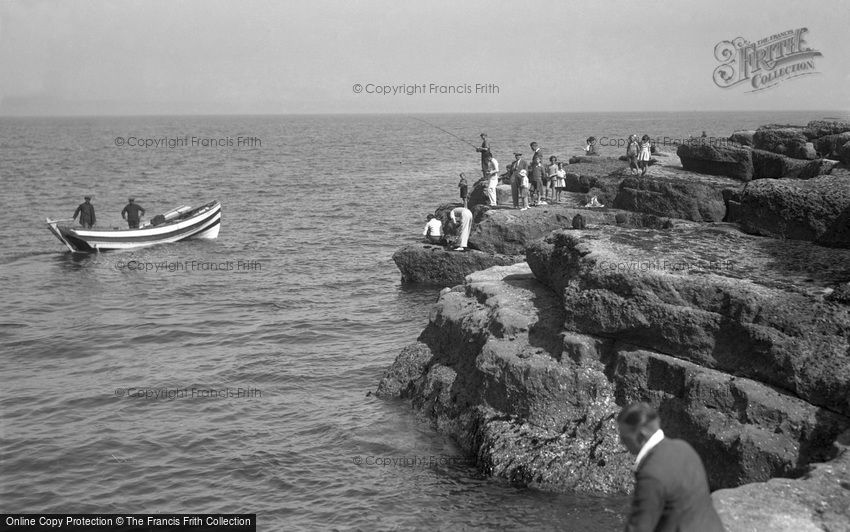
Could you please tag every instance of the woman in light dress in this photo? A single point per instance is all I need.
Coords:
(644, 155)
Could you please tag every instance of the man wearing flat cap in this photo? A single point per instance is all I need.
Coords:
(132, 213)
(86, 212)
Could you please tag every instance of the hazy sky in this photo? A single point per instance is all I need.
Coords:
(220, 57)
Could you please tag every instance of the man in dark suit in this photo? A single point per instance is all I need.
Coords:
(513, 170)
(671, 488)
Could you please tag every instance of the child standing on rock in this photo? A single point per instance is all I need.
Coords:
(464, 189)
(560, 181)
(645, 154)
(523, 189)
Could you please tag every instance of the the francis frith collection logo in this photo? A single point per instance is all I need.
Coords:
(764, 63)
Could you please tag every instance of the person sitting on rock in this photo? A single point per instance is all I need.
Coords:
(590, 149)
(433, 232)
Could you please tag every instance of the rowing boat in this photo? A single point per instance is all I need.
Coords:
(178, 224)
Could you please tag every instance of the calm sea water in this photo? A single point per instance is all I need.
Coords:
(263, 352)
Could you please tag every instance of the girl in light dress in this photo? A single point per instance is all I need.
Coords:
(644, 155)
(560, 181)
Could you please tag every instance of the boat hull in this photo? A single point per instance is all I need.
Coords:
(202, 222)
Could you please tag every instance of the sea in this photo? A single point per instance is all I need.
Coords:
(236, 375)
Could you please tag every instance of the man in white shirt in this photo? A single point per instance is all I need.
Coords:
(493, 178)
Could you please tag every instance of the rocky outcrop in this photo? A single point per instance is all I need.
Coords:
(817, 501)
(688, 199)
(743, 137)
(732, 162)
(829, 146)
(815, 209)
(821, 128)
(844, 153)
(478, 195)
(732, 337)
(489, 370)
(711, 296)
(784, 140)
(774, 166)
(508, 231)
(429, 264)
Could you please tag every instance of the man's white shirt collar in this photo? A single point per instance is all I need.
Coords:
(653, 440)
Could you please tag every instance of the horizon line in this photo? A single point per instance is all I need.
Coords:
(394, 113)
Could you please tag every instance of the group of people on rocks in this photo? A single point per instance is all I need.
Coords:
(132, 213)
(537, 183)
(532, 183)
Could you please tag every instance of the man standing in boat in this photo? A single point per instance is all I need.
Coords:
(86, 212)
(132, 213)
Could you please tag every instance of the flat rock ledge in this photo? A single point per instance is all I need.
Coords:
(438, 265)
(742, 343)
(816, 502)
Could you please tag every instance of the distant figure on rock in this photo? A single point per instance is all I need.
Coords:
(579, 222)
(484, 150)
(132, 213)
(590, 149)
(671, 487)
(86, 212)
(433, 232)
(560, 182)
(537, 175)
(464, 188)
(535, 151)
(645, 154)
(632, 149)
(523, 189)
(463, 216)
(551, 178)
(492, 178)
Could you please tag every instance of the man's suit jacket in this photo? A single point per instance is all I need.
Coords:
(671, 492)
(516, 166)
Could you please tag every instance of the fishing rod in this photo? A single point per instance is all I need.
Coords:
(444, 131)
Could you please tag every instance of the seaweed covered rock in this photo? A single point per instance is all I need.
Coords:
(821, 128)
(743, 137)
(774, 166)
(814, 209)
(429, 264)
(673, 198)
(736, 163)
(784, 140)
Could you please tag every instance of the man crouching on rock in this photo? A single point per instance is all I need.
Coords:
(671, 488)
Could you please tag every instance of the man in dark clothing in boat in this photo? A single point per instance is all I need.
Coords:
(86, 212)
(132, 213)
